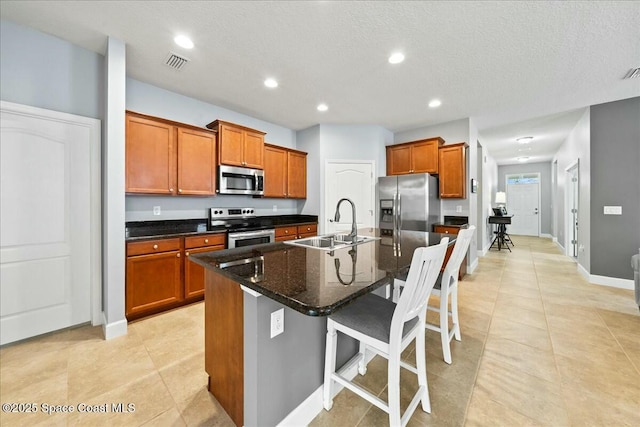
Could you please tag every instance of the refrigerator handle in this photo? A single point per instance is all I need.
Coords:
(399, 212)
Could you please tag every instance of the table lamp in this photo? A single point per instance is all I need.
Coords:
(501, 198)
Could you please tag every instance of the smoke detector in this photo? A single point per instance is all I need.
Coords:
(175, 61)
(633, 73)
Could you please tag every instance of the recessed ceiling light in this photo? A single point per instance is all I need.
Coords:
(271, 83)
(522, 159)
(322, 107)
(524, 140)
(434, 103)
(183, 41)
(524, 149)
(396, 58)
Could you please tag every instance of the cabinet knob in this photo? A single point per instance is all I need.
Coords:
(178, 254)
(446, 232)
(155, 246)
(206, 240)
(286, 231)
(308, 228)
(187, 254)
(171, 190)
(179, 190)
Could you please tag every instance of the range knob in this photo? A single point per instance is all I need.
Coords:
(251, 211)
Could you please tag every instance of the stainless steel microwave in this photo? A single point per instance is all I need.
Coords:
(235, 180)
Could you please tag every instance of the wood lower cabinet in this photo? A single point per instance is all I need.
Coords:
(291, 232)
(285, 173)
(453, 171)
(451, 230)
(239, 145)
(165, 157)
(154, 276)
(159, 275)
(194, 273)
(414, 157)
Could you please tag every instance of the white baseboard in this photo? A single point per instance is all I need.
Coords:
(305, 412)
(473, 266)
(546, 235)
(115, 329)
(560, 246)
(613, 282)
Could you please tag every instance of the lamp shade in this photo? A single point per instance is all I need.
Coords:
(501, 197)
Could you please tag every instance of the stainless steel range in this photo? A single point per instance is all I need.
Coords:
(242, 226)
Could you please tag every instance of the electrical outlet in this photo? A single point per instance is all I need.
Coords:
(458, 208)
(275, 208)
(613, 210)
(277, 322)
(157, 210)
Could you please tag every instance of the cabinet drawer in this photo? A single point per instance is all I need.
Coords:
(445, 230)
(287, 231)
(307, 229)
(153, 246)
(205, 240)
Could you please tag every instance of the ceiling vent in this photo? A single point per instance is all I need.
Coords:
(174, 61)
(633, 73)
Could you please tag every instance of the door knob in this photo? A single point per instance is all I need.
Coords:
(330, 220)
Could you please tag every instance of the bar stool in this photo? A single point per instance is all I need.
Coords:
(447, 286)
(387, 329)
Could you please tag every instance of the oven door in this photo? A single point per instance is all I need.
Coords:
(248, 238)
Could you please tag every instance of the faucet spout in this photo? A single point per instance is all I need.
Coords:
(354, 225)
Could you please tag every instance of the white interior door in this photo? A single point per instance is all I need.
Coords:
(46, 251)
(354, 181)
(523, 202)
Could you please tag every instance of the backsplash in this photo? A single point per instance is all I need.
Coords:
(141, 208)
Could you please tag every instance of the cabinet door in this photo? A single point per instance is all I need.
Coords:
(424, 157)
(296, 175)
(150, 156)
(194, 273)
(153, 282)
(230, 146)
(275, 172)
(253, 150)
(453, 167)
(398, 160)
(196, 162)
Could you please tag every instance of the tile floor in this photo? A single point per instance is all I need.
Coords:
(540, 346)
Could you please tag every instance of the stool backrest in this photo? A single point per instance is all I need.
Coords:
(424, 270)
(463, 240)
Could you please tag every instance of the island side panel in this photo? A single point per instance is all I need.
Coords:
(224, 343)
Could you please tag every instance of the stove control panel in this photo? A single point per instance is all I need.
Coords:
(223, 213)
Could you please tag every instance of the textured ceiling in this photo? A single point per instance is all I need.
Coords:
(500, 63)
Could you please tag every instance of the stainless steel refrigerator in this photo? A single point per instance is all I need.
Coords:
(408, 202)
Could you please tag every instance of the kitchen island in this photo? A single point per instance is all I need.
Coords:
(260, 380)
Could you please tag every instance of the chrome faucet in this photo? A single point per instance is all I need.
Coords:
(354, 226)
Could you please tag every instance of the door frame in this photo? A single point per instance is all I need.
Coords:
(506, 186)
(568, 222)
(95, 208)
(323, 205)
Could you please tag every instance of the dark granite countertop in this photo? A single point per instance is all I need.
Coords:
(454, 221)
(317, 282)
(140, 230)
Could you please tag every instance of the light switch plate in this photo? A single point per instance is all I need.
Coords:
(613, 210)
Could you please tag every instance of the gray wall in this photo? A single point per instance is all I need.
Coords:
(615, 181)
(148, 99)
(544, 169)
(44, 71)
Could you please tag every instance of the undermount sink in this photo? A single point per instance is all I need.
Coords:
(330, 242)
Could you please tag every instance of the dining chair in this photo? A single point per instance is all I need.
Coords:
(446, 287)
(387, 328)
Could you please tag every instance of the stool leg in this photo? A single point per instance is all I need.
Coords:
(362, 364)
(444, 327)
(393, 389)
(421, 364)
(329, 364)
(454, 312)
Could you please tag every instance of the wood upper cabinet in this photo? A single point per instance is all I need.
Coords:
(414, 157)
(165, 157)
(239, 145)
(196, 162)
(275, 171)
(150, 156)
(453, 171)
(285, 172)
